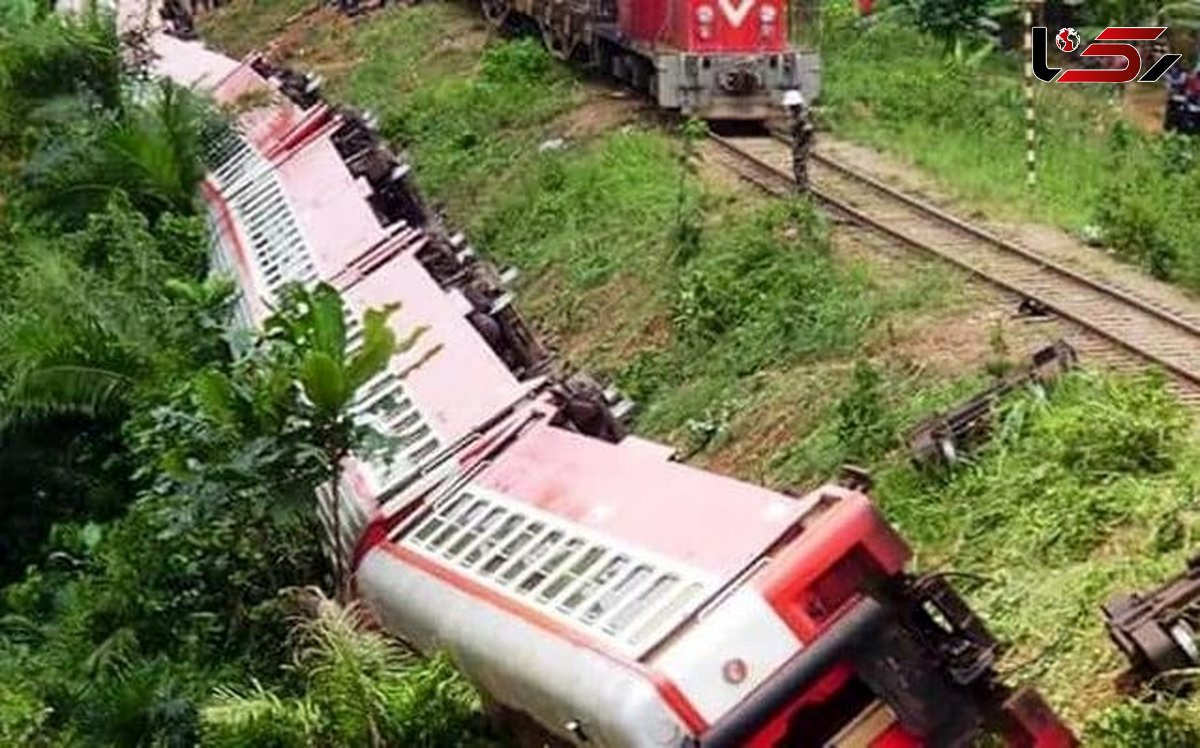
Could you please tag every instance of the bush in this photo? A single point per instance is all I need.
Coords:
(864, 425)
(771, 290)
(22, 716)
(357, 688)
(1135, 725)
(523, 62)
(1102, 427)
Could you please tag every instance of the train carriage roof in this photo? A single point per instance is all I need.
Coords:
(710, 522)
(451, 372)
(266, 116)
(188, 63)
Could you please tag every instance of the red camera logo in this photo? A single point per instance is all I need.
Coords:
(1112, 43)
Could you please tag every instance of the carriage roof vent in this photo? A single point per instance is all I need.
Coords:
(619, 594)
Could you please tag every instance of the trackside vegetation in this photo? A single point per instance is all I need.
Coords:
(157, 467)
(961, 119)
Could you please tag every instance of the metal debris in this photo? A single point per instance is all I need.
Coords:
(942, 440)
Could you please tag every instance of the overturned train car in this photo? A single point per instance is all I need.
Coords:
(591, 585)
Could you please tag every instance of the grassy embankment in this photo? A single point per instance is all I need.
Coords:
(893, 88)
(747, 336)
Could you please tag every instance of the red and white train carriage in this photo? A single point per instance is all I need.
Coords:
(580, 576)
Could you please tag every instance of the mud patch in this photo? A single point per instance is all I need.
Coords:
(602, 111)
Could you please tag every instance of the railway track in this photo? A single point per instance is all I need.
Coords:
(1139, 327)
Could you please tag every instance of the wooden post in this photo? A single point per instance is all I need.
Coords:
(1030, 109)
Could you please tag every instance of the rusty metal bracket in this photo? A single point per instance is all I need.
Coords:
(941, 440)
(1157, 630)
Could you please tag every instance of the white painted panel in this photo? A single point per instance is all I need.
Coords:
(521, 665)
(744, 627)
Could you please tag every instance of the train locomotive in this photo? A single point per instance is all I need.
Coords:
(714, 59)
(598, 591)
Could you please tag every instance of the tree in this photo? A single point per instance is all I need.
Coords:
(330, 376)
(150, 153)
(950, 20)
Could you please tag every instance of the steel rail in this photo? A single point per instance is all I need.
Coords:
(779, 181)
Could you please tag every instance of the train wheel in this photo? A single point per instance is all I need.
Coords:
(496, 12)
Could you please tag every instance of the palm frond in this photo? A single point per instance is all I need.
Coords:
(233, 719)
(63, 390)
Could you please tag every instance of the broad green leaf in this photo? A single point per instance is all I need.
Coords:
(324, 382)
(214, 395)
(379, 345)
(327, 321)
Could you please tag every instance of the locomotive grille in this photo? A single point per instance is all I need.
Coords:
(250, 185)
(620, 595)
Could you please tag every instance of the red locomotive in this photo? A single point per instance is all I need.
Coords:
(716, 59)
(587, 582)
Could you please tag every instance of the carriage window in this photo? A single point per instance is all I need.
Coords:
(470, 510)
(556, 567)
(685, 596)
(606, 573)
(555, 560)
(473, 532)
(514, 546)
(572, 573)
(531, 558)
(616, 594)
(650, 597)
(506, 528)
(437, 518)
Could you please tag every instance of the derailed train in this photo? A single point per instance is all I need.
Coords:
(587, 582)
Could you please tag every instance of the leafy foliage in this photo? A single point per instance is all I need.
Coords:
(863, 420)
(357, 688)
(150, 154)
(157, 469)
(457, 127)
(1134, 725)
(48, 56)
(771, 290)
(949, 20)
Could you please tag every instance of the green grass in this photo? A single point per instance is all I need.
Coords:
(893, 88)
(241, 27)
(462, 116)
(1090, 493)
